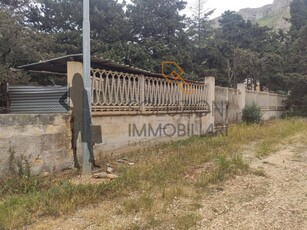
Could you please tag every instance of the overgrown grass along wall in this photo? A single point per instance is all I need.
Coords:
(156, 170)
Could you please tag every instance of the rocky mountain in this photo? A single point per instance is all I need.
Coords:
(272, 15)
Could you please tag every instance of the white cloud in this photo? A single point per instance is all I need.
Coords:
(223, 5)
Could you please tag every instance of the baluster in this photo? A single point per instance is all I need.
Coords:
(142, 94)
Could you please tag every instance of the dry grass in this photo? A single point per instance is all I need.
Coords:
(157, 187)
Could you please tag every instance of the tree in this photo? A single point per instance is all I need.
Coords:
(151, 31)
(158, 27)
(247, 66)
(200, 33)
(296, 57)
(15, 8)
(298, 12)
(200, 26)
(62, 20)
(297, 101)
(245, 49)
(18, 45)
(297, 44)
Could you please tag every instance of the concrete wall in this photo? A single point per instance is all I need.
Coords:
(110, 133)
(129, 131)
(271, 114)
(271, 104)
(44, 141)
(116, 134)
(224, 113)
(48, 142)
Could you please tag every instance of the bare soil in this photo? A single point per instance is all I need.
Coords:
(273, 196)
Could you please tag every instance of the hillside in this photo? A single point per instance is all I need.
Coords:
(272, 15)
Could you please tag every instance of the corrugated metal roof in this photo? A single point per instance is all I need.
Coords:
(59, 65)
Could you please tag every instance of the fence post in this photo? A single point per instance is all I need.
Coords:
(276, 102)
(142, 94)
(241, 98)
(72, 69)
(5, 97)
(268, 101)
(226, 108)
(211, 98)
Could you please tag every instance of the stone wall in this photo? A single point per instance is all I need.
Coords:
(42, 142)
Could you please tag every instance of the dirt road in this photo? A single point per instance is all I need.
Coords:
(274, 198)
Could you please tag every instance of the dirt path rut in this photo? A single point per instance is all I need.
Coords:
(274, 197)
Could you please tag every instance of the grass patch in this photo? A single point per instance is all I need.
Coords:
(173, 192)
(162, 168)
(264, 149)
(152, 223)
(187, 221)
(225, 167)
(259, 172)
(135, 205)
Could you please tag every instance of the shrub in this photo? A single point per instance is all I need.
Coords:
(252, 114)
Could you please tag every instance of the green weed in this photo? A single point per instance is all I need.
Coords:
(187, 221)
(135, 205)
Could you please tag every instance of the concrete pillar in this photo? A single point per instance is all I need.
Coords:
(258, 86)
(75, 102)
(276, 103)
(242, 93)
(211, 97)
(241, 98)
(268, 101)
(72, 69)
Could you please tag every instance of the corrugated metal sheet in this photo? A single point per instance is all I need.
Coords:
(36, 99)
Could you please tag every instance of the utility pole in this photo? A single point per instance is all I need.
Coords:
(86, 111)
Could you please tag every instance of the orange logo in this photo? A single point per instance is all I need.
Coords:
(175, 74)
